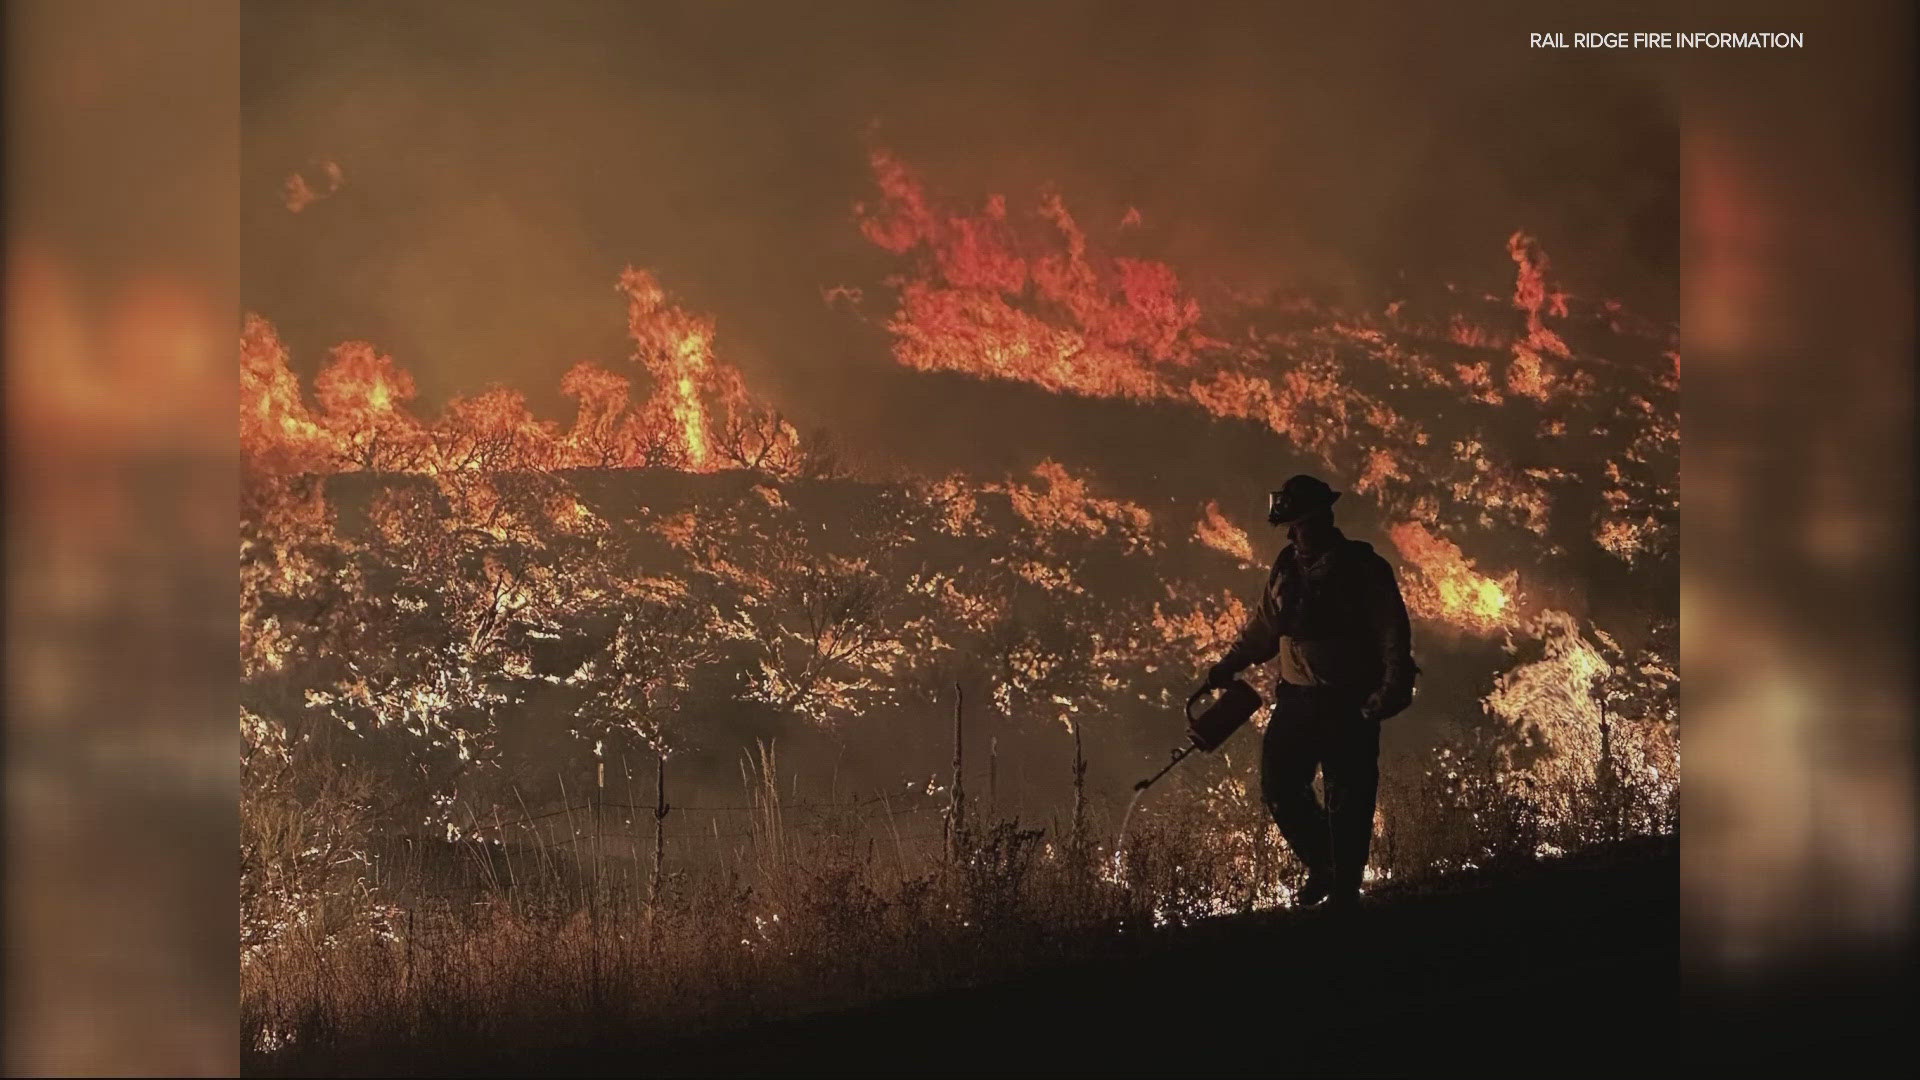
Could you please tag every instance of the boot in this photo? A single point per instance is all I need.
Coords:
(1318, 887)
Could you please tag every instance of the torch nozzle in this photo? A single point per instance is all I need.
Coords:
(1164, 769)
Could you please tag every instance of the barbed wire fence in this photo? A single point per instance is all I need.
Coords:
(557, 841)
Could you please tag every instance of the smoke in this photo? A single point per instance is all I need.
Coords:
(506, 161)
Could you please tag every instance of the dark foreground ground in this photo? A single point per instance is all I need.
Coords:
(1554, 969)
(1558, 967)
(1569, 966)
(1565, 967)
(1548, 969)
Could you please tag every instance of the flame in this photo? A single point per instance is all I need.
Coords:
(1382, 468)
(1532, 294)
(606, 433)
(676, 347)
(1203, 631)
(1132, 323)
(1558, 706)
(491, 432)
(955, 501)
(1215, 531)
(363, 396)
(700, 415)
(1446, 587)
(997, 294)
(277, 432)
(1064, 505)
(1472, 335)
(1527, 374)
(1034, 581)
(1624, 539)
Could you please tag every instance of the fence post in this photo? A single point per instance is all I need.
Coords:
(1608, 780)
(659, 826)
(1079, 785)
(956, 805)
(993, 777)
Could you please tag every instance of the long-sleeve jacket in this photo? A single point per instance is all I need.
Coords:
(1340, 615)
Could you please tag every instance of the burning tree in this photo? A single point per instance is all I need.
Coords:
(824, 641)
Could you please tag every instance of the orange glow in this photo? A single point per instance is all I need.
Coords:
(699, 416)
(298, 193)
(1132, 328)
(363, 398)
(676, 347)
(1445, 586)
(1215, 531)
(1532, 294)
(277, 432)
(1064, 505)
(1029, 297)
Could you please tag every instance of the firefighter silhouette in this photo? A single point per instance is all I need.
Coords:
(1332, 613)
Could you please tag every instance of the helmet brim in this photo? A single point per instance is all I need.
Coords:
(1282, 512)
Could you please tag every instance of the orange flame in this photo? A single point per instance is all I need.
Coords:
(277, 432)
(676, 347)
(1215, 531)
(1064, 505)
(1200, 632)
(606, 433)
(1130, 320)
(1532, 295)
(491, 432)
(1037, 305)
(992, 292)
(699, 416)
(1446, 587)
(363, 398)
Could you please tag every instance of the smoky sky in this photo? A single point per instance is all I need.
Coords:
(503, 162)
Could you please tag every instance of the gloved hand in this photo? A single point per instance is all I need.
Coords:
(1386, 702)
(1375, 706)
(1220, 676)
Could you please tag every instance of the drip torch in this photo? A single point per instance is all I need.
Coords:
(1235, 706)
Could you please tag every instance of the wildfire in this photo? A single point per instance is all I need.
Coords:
(1132, 327)
(277, 432)
(1446, 587)
(995, 293)
(1064, 505)
(699, 416)
(1202, 631)
(676, 347)
(490, 586)
(1532, 294)
(1215, 531)
(956, 503)
(606, 432)
(1571, 729)
(363, 398)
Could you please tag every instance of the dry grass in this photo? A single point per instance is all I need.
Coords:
(354, 941)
